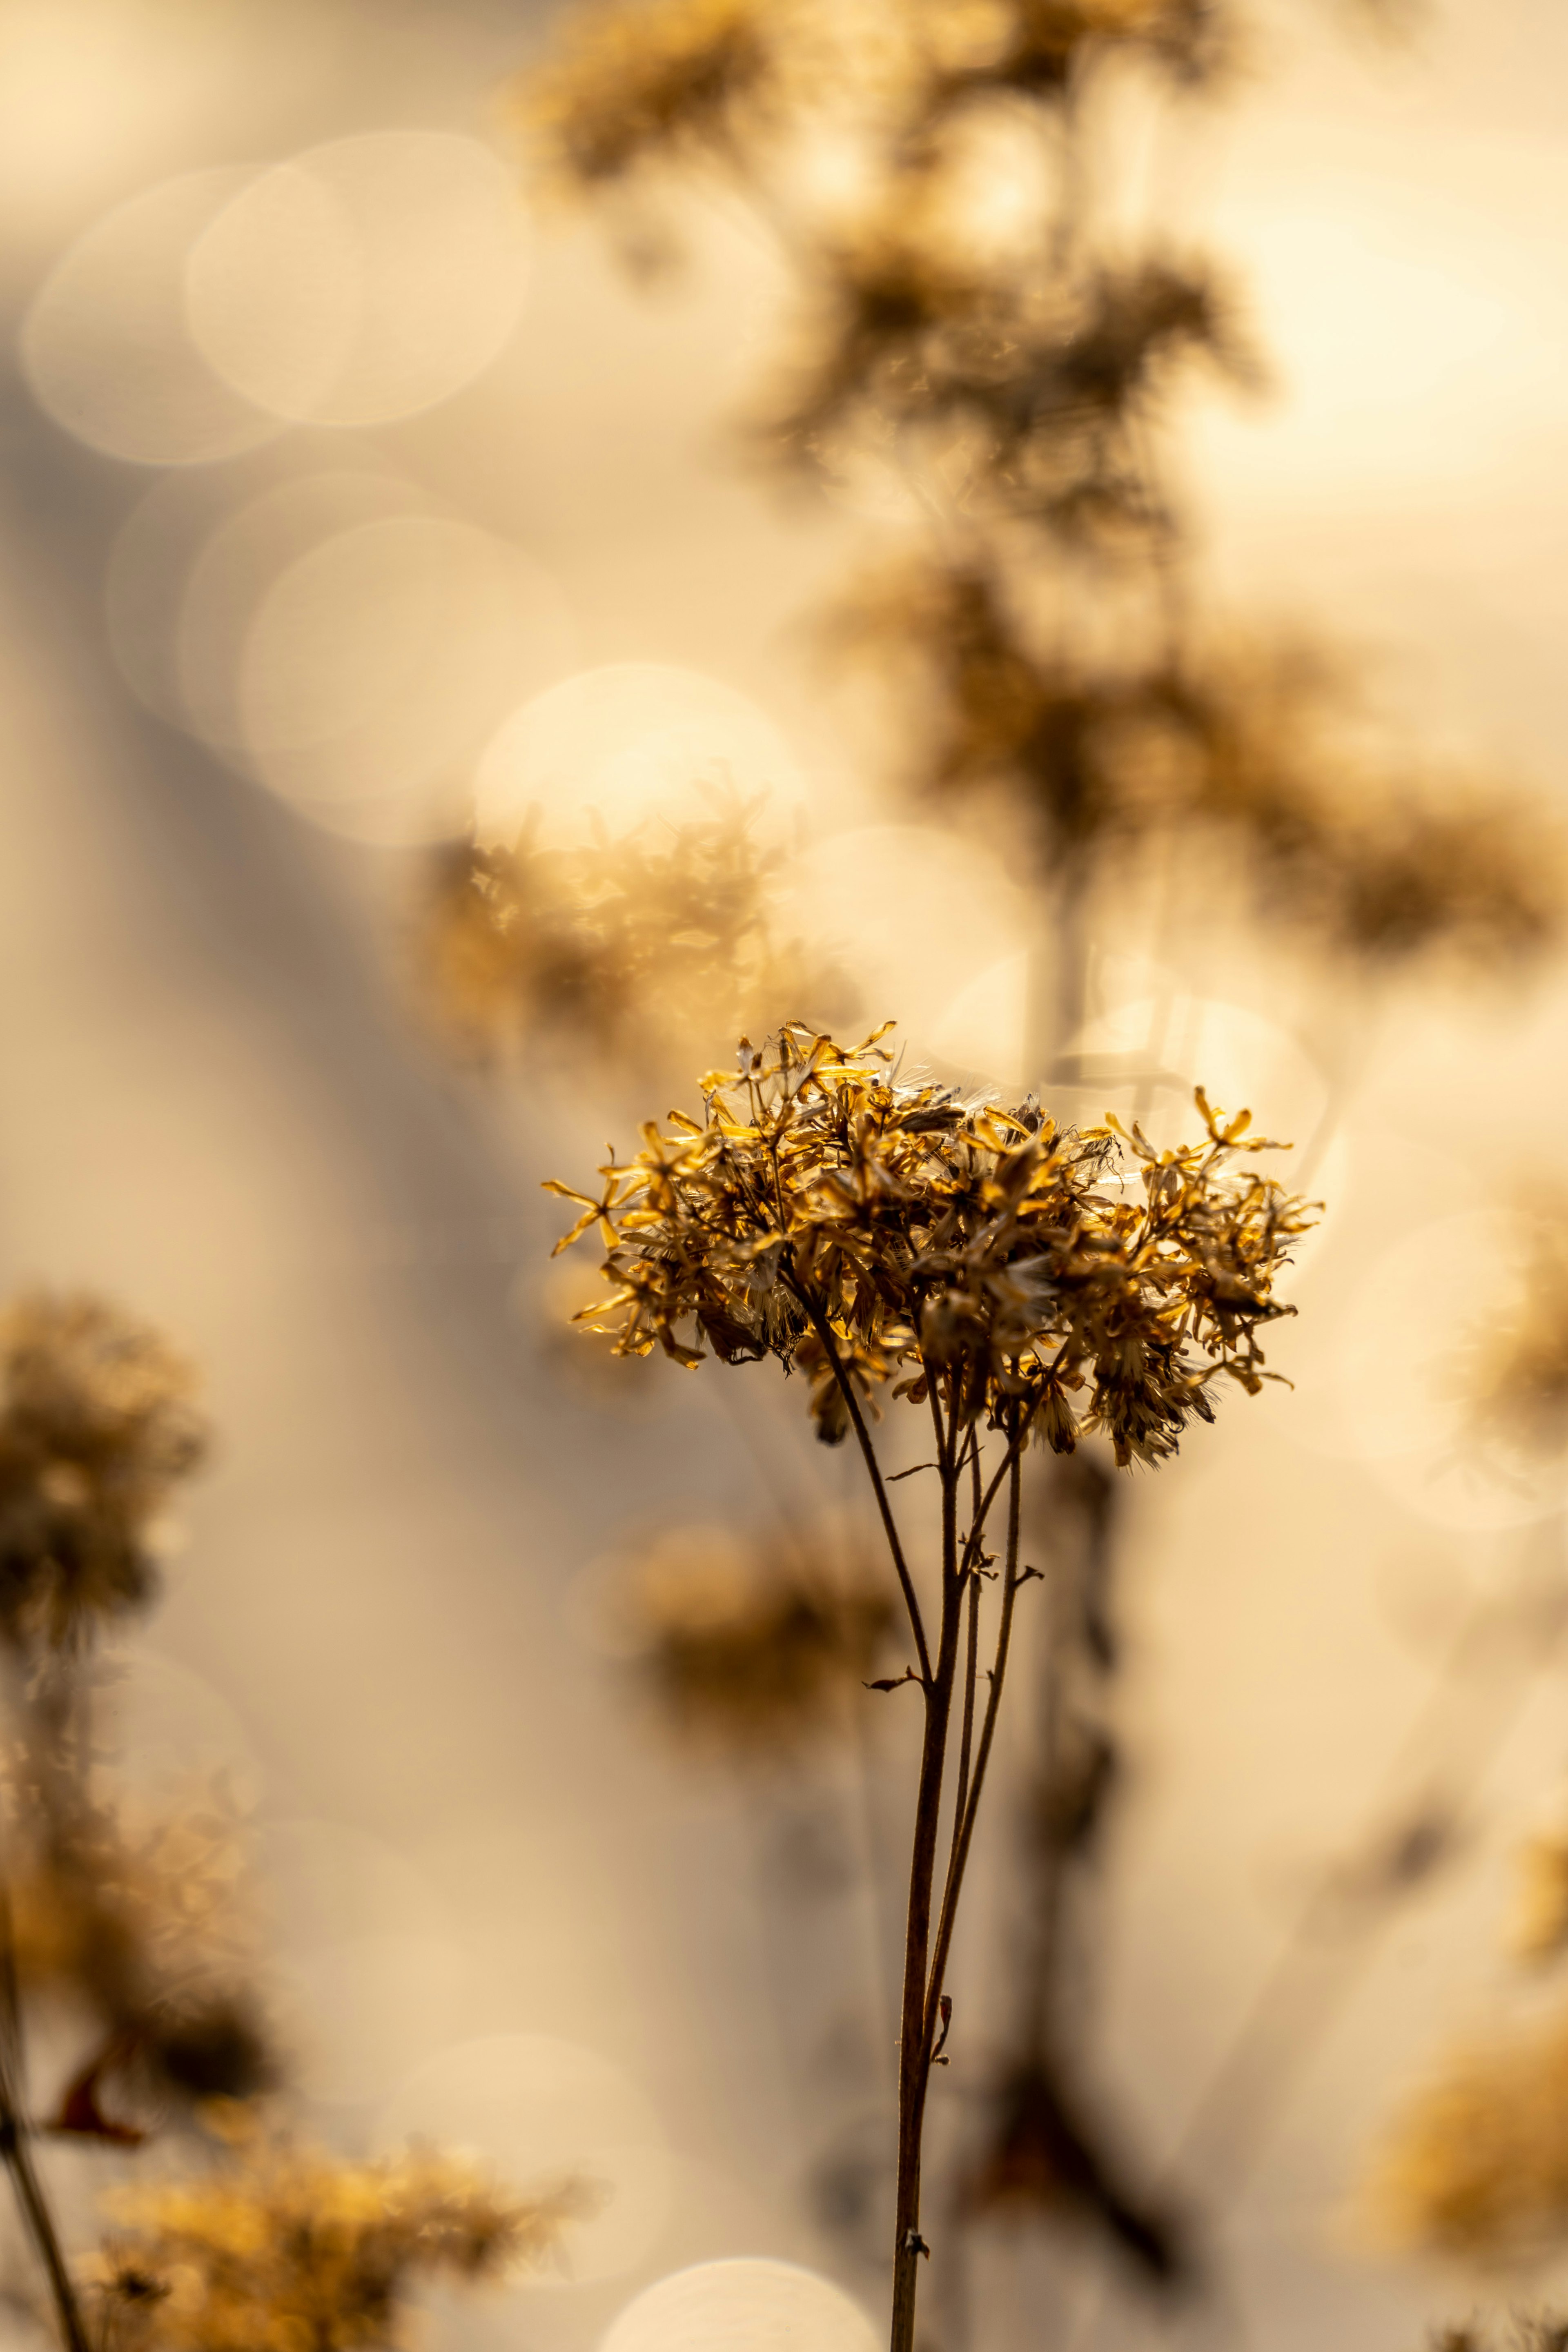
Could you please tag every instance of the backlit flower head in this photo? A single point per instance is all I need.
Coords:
(877, 1234)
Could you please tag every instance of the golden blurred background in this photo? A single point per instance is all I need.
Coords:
(350, 486)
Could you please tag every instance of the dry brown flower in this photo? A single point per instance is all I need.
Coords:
(297, 2251)
(1540, 1926)
(1009, 1277)
(1479, 2166)
(752, 1647)
(1039, 49)
(870, 1232)
(1258, 749)
(141, 1929)
(96, 1427)
(634, 944)
(636, 83)
(1026, 395)
(1513, 1369)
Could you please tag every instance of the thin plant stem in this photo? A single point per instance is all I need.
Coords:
(964, 1825)
(970, 1668)
(38, 2220)
(824, 1332)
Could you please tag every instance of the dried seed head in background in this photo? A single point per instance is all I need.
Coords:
(295, 2252)
(1479, 2166)
(1251, 765)
(1539, 1930)
(96, 1427)
(646, 944)
(751, 1648)
(1512, 1368)
(141, 1932)
(635, 84)
(827, 1214)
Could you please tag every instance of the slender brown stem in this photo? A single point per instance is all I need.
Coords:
(970, 1667)
(824, 1332)
(39, 2223)
(964, 1827)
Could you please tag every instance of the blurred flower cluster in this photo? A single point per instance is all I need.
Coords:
(753, 1649)
(294, 2249)
(632, 945)
(96, 1428)
(127, 1930)
(978, 322)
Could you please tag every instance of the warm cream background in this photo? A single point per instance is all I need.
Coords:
(215, 1110)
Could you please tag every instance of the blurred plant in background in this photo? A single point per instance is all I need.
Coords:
(1476, 2167)
(987, 322)
(646, 946)
(753, 1649)
(126, 1934)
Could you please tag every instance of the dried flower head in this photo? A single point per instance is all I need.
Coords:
(142, 1928)
(1042, 49)
(750, 1647)
(295, 2252)
(1025, 393)
(634, 944)
(1513, 1368)
(1259, 751)
(96, 1429)
(1540, 1926)
(1479, 2166)
(867, 1231)
(656, 81)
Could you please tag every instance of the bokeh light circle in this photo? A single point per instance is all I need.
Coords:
(377, 664)
(746, 2303)
(364, 280)
(230, 574)
(107, 346)
(629, 740)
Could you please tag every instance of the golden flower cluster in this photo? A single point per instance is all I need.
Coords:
(1257, 752)
(1513, 1369)
(1540, 1927)
(295, 2252)
(867, 1231)
(633, 83)
(749, 1648)
(632, 943)
(141, 1932)
(1023, 393)
(1039, 50)
(96, 1428)
(661, 81)
(1480, 2165)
